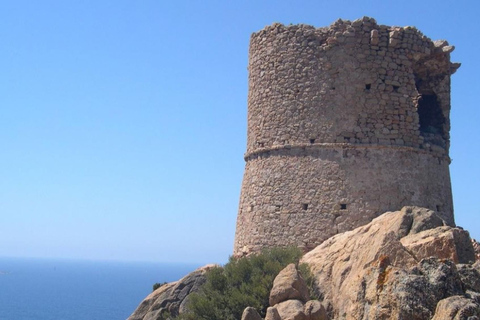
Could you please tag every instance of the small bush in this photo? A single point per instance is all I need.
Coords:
(158, 285)
(240, 283)
(307, 275)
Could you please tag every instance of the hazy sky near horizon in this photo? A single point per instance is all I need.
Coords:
(123, 123)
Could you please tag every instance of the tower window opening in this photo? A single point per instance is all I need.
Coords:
(305, 206)
(430, 114)
(395, 88)
(439, 208)
(343, 206)
(368, 86)
(431, 120)
(312, 141)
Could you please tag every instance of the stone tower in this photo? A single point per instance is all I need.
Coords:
(344, 124)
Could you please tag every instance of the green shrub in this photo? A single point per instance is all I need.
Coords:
(240, 283)
(158, 285)
(307, 275)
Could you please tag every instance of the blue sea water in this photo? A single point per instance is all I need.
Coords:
(47, 289)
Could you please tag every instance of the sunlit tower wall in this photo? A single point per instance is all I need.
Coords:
(344, 123)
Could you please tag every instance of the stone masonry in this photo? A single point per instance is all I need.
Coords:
(344, 123)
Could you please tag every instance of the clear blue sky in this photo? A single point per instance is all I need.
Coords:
(123, 123)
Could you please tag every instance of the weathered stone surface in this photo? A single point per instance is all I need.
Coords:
(448, 49)
(424, 219)
(469, 276)
(457, 308)
(401, 295)
(171, 297)
(476, 248)
(374, 37)
(442, 242)
(250, 314)
(291, 310)
(314, 310)
(147, 309)
(288, 284)
(442, 277)
(337, 132)
(476, 265)
(368, 273)
(272, 314)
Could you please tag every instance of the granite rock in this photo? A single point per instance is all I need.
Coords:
(171, 297)
(250, 314)
(288, 284)
(395, 267)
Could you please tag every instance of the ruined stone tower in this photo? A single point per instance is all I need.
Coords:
(344, 124)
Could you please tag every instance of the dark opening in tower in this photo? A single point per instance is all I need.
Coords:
(430, 115)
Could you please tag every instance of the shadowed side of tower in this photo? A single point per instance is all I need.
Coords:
(344, 123)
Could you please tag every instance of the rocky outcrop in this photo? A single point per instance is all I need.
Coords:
(287, 285)
(297, 310)
(290, 309)
(402, 265)
(288, 299)
(476, 248)
(406, 265)
(314, 310)
(457, 308)
(170, 298)
(250, 314)
(442, 242)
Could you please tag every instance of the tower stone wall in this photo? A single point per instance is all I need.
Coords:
(344, 123)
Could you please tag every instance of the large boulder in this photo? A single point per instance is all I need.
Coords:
(170, 298)
(441, 242)
(291, 310)
(399, 266)
(288, 284)
(250, 314)
(425, 219)
(272, 314)
(457, 308)
(314, 310)
(470, 277)
(288, 296)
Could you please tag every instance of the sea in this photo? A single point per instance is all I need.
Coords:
(55, 289)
